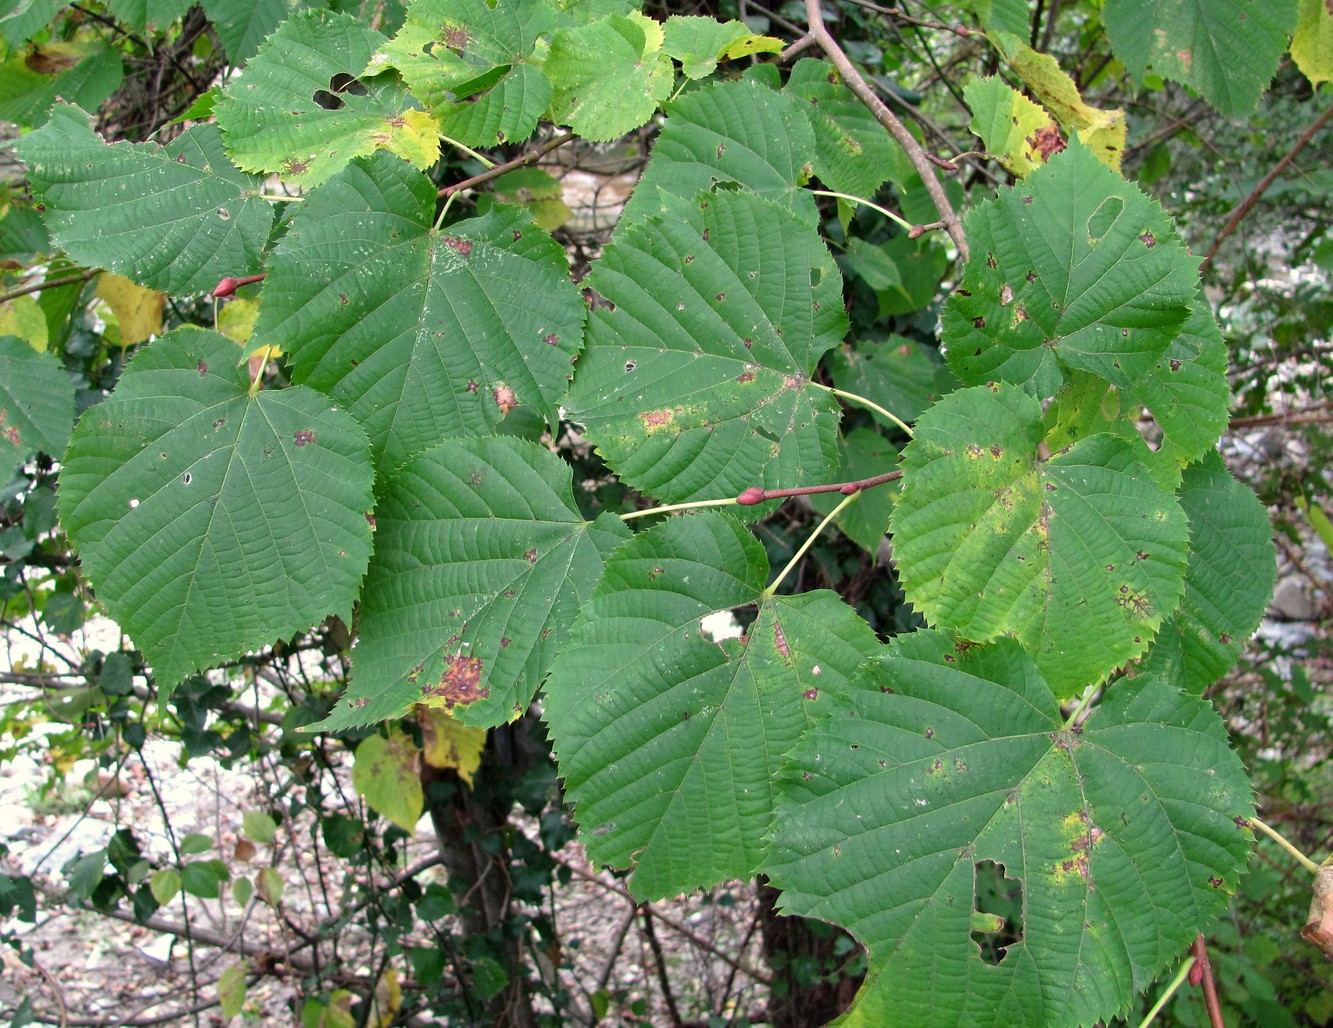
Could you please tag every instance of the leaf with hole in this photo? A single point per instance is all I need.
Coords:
(667, 731)
(212, 521)
(300, 109)
(1073, 268)
(1123, 837)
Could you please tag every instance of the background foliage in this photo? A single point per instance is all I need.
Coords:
(421, 488)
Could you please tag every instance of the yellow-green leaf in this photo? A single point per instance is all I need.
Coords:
(138, 311)
(1312, 45)
(385, 775)
(450, 743)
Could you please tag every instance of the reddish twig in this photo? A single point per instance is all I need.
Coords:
(531, 157)
(814, 14)
(229, 285)
(755, 495)
(1260, 189)
(1199, 950)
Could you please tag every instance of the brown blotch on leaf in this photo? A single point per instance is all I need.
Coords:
(810, 694)
(505, 398)
(656, 419)
(202, 368)
(303, 436)
(463, 246)
(780, 641)
(460, 683)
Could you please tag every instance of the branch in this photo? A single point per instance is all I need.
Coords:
(50, 283)
(1204, 971)
(755, 495)
(531, 157)
(814, 14)
(1258, 190)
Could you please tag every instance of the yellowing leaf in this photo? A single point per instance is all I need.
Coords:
(385, 775)
(1102, 131)
(450, 743)
(138, 311)
(236, 319)
(1010, 124)
(413, 135)
(387, 999)
(1312, 45)
(231, 990)
(22, 317)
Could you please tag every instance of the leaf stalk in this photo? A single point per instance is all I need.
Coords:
(810, 539)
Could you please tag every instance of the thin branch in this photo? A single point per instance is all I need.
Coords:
(760, 976)
(854, 80)
(522, 161)
(659, 961)
(755, 495)
(1248, 203)
(50, 283)
(1199, 950)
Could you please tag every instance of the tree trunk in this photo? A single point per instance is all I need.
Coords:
(471, 828)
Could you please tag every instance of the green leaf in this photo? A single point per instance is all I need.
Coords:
(164, 885)
(866, 453)
(738, 132)
(698, 383)
(1227, 50)
(420, 334)
(481, 561)
(609, 76)
(1187, 392)
(1075, 267)
(668, 737)
(1124, 835)
(853, 153)
(176, 218)
(202, 878)
(36, 404)
(900, 375)
(1079, 557)
(242, 25)
(299, 110)
(231, 990)
(156, 15)
(1227, 585)
(259, 827)
(699, 44)
(196, 843)
(269, 884)
(209, 520)
(26, 18)
(82, 73)
(384, 773)
(467, 61)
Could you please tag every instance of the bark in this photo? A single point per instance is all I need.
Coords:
(794, 946)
